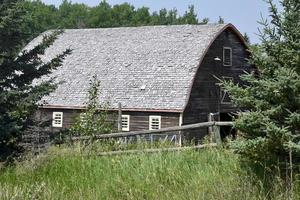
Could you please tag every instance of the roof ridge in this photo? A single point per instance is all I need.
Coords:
(146, 26)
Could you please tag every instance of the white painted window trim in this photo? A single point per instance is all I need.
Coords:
(227, 48)
(125, 127)
(151, 118)
(54, 123)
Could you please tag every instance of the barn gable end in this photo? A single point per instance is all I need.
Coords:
(206, 96)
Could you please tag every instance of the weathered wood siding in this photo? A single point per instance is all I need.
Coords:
(69, 116)
(138, 120)
(205, 93)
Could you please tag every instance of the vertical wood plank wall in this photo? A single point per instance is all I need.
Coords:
(205, 94)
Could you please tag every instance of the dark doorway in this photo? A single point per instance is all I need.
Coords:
(227, 131)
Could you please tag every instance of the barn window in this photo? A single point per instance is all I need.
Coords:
(125, 122)
(57, 119)
(154, 122)
(227, 56)
(225, 99)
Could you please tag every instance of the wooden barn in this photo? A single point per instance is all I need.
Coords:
(163, 76)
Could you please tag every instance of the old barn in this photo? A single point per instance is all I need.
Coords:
(163, 76)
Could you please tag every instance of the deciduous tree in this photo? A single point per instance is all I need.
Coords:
(94, 120)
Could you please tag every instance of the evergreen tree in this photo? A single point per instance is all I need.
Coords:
(42, 17)
(247, 38)
(221, 20)
(271, 127)
(18, 96)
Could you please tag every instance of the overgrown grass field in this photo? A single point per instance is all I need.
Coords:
(60, 174)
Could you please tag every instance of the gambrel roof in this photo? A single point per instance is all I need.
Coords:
(144, 68)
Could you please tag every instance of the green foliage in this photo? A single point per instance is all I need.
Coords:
(74, 15)
(18, 96)
(271, 127)
(141, 17)
(94, 120)
(66, 174)
(165, 17)
(221, 20)
(247, 38)
(190, 17)
(40, 16)
(100, 15)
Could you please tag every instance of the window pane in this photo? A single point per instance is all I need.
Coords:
(154, 122)
(125, 122)
(227, 56)
(57, 119)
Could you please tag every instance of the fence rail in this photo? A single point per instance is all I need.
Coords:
(174, 149)
(215, 125)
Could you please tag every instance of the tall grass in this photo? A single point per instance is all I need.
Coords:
(60, 174)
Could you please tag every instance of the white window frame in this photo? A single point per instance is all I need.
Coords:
(125, 127)
(57, 124)
(154, 117)
(224, 49)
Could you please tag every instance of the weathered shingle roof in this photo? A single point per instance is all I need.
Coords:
(142, 67)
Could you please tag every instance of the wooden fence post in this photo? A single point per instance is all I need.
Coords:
(180, 132)
(139, 139)
(210, 128)
(119, 117)
(217, 134)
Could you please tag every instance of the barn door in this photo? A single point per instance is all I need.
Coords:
(227, 131)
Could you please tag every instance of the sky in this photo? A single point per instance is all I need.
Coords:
(244, 14)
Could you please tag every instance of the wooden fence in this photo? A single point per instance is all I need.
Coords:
(173, 149)
(164, 131)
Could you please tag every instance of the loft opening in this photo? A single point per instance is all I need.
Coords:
(227, 56)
